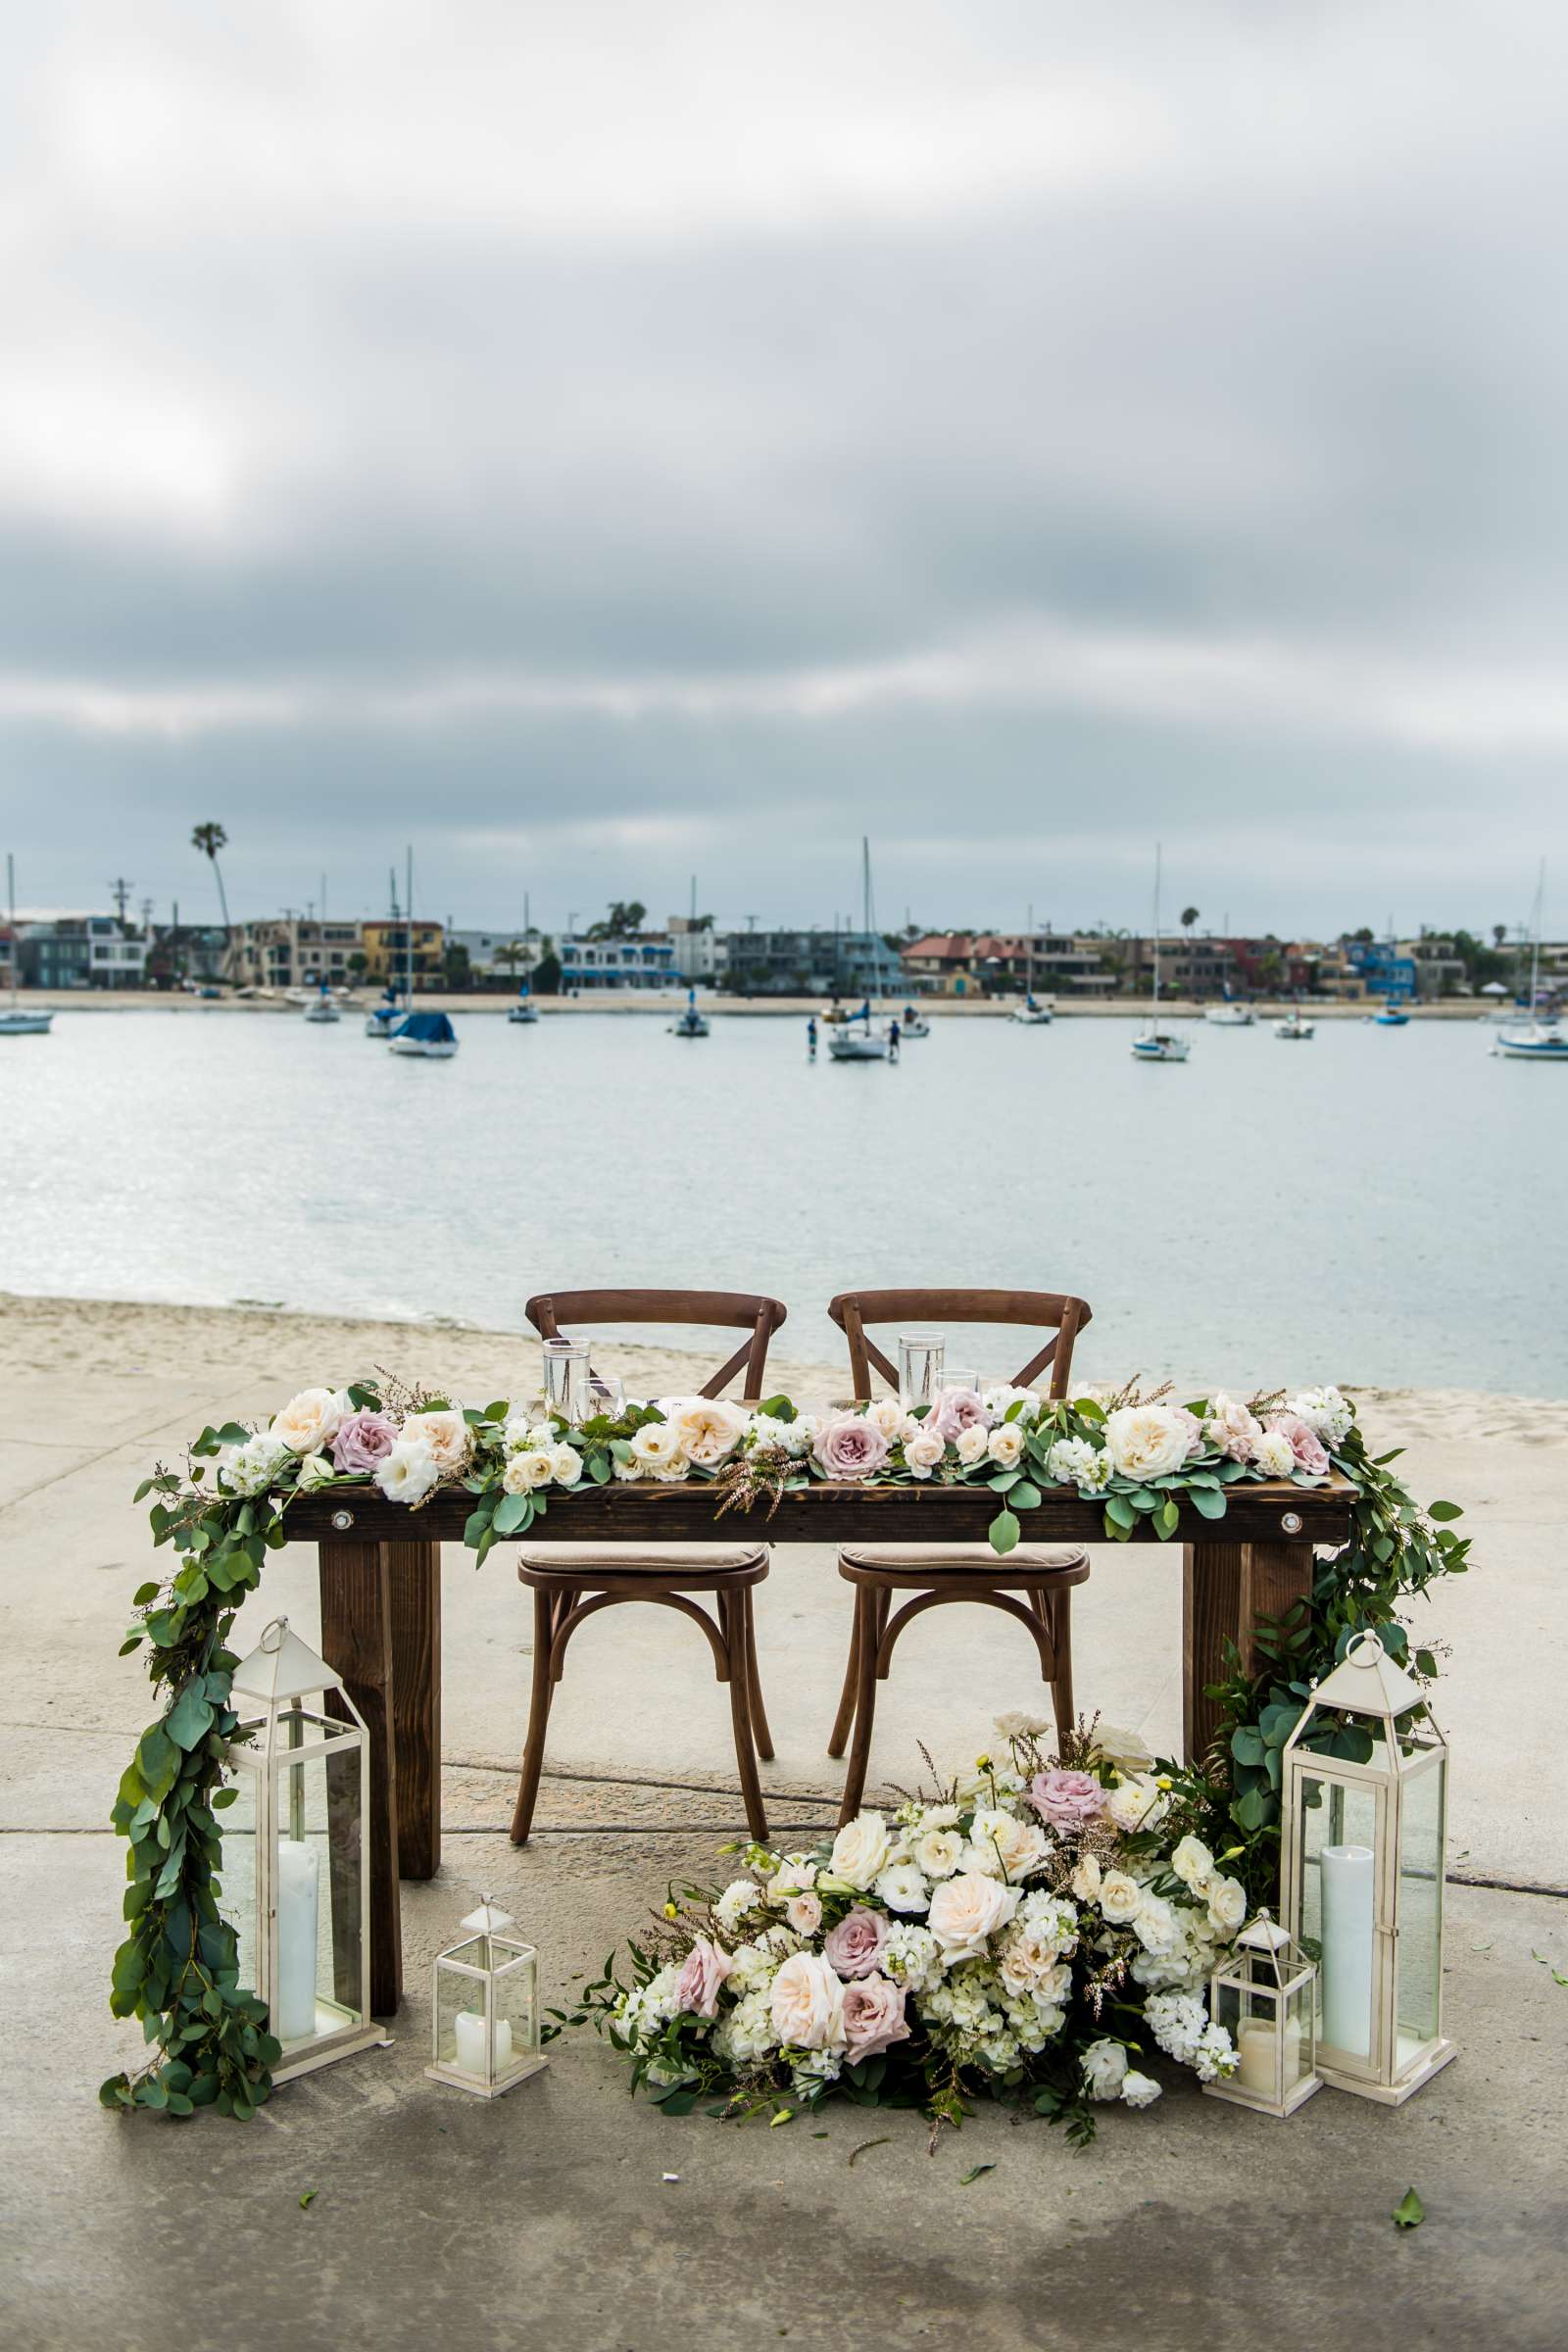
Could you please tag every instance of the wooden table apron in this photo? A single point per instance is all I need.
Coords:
(380, 1568)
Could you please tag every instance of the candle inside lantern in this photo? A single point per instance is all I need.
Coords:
(468, 2028)
(1346, 1968)
(298, 1899)
(1254, 2045)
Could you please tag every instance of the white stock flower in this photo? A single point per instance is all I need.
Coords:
(923, 1453)
(1119, 1898)
(1139, 2091)
(902, 1888)
(1001, 1845)
(247, 1469)
(1272, 1451)
(1137, 1803)
(1105, 2069)
(966, 1910)
(447, 1435)
(784, 1436)
(408, 1471)
(1193, 1865)
(1146, 1441)
(709, 1429)
(1227, 1905)
(808, 2003)
(740, 1898)
(937, 1851)
(1075, 1463)
(565, 1465)
(999, 1400)
(912, 1957)
(534, 1467)
(309, 1421)
(862, 1852)
(1005, 1445)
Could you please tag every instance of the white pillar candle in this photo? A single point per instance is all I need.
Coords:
(470, 2030)
(1347, 1907)
(1255, 2045)
(297, 1897)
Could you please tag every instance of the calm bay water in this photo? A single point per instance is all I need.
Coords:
(1379, 1205)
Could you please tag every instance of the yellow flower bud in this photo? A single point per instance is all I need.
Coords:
(1164, 1780)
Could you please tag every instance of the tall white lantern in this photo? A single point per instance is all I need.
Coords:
(1364, 1846)
(296, 1856)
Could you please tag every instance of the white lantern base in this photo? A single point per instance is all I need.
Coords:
(487, 2090)
(304, 2058)
(1259, 2101)
(1392, 2094)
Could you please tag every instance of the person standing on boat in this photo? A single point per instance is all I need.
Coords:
(811, 1037)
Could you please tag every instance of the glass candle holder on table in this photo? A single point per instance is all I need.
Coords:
(568, 1380)
(921, 1356)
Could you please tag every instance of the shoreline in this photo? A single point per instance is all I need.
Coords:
(662, 1003)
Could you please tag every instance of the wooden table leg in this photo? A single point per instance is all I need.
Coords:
(357, 1640)
(1227, 1589)
(415, 1575)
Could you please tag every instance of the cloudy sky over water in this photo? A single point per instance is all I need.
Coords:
(601, 443)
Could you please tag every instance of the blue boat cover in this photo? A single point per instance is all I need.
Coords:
(433, 1028)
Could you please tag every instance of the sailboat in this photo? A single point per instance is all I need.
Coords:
(525, 1012)
(853, 1038)
(1154, 1043)
(1232, 1014)
(1030, 1014)
(383, 1018)
(321, 1007)
(1294, 1025)
(1540, 1041)
(690, 1023)
(913, 1022)
(426, 1036)
(16, 1022)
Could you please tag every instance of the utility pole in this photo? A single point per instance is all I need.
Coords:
(119, 892)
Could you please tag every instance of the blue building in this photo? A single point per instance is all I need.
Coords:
(636, 960)
(1383, 970)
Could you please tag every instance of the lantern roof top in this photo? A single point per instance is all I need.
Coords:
(1264, 1934)
(1367, 1681)
(282, 1667)
(489, 1919)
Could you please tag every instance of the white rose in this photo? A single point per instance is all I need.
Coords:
(709, 1429)
(970, 1443)
(924, 1451)
(937, 1851)
(628, 1472)
(525, 1471)
(1272, 1451)
(966, 1910)
(1227, 1905)
(1139, 2091)
(1125, 1749)
(408, 1471)
(315, 1471)
(1155, 1926)
(806, 2003)
(1002, 1845)
(861, 1850)
(888, 1415)
(1119, 1898)
(902, 1888)
(1146, 1441)
(1006, 1445)
(565, 1465)
(1193, 1865)
(309, 1421)
(1085, 1882)
(1105, 2069)
(655, 1445)
(447, 1435)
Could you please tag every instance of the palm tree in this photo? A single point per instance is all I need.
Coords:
(1189, 918)
(210, 839)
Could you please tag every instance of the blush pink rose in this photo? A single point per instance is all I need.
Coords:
(1066, 1800)
(705, 1969)
(363, 1440)
(857, 1942)
(1306, 1445)
(851, 1447)
(956, 1409)
(873, 2016)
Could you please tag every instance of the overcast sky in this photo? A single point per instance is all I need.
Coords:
(606, 442)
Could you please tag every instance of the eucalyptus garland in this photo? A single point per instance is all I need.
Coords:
(1142, 1459)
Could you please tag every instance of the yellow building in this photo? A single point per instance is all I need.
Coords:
(386, 942)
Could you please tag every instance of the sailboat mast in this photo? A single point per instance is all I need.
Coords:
(1029, 985)
(11, 909)
(1535, 950)
(407, 937)
(1155, 999)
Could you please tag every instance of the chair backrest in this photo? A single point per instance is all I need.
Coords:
(1064, 1316)
(738, 1309)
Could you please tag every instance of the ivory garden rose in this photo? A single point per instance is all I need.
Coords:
(808, 2003)
(309, 1421)
(1147, 1440)
(966, 1910)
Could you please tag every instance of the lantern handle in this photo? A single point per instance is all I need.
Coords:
(1365, 1639)
(272, 1640)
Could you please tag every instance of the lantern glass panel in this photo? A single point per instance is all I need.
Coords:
(1418, 1962)
(459, 2012)
(1336, 1906)
(319, 1912)
(517, 2001)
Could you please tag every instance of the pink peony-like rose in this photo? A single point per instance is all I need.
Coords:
(363, 1440)
(956, 1409)
(1306, 1445)
(1195, 1439)
(1066, 1800)
(857, 1942)
(873, 2016)
(851, 1447)
(697, 1986)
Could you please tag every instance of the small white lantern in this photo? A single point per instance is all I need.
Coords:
(1363, 1848)
(296, 1872)
(1263, 1996)
(484, 2026)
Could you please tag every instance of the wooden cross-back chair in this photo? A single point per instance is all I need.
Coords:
(572, 1582)
(1033, 1582)
(1053, 1310)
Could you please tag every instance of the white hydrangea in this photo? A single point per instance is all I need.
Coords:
(788, 1436)
(1327, 1414)
(999, 1400)
(912, 1957)
(739, 1900)
(1074, 1462)
(743, 2036)
(649, 2007)
(813, 2068)
(753, 1967)
(249, 1468)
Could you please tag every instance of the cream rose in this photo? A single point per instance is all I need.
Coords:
(408, 1472)
(656, 1446)
(524, 1471)
(1147, 1440)
(1227, 1905)
(966, 1910)
(1137, 1803)
(806, 2003)
(970, 1443)
(447, 1435)
(1086, 1880)
(708, 1431)
(937, 1851)
(1105, 2069)
(565, 1465)
(924, 1451)
(1001, 1845)
(1005, 1446)
(1193, 1865)
(862, 1852)
(309, 1421)
(891, 1419)
(1119, 1898)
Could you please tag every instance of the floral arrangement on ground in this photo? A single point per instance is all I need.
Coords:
(1141, 1457)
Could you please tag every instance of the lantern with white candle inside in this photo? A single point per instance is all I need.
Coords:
(1363, 1839)
(485, 2013)
(1262, 1994)
(295, 1868)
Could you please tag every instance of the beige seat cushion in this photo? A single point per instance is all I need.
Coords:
(1023, 1561)
(641, 1560)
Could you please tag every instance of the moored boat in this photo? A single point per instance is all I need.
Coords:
(1154, 1043)
(1230, 1016)
(430, 1036)
(1538, 1042)
(913, 1023)
(525, 1012)
(1294, 1026)
(321, 1007)
(690, 1023)
(385, 1017)
(14, 1022)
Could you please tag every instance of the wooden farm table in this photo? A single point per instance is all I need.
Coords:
(380, 1567)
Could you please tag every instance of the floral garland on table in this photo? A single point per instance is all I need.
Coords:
(1030, 1931)
(1140, 1456)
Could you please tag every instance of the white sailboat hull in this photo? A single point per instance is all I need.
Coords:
(24, 1024)
(1030, 1018)
(525, 1015)
(1229, 1016)
(423, 1048)
(847, 1045)
(1538, 1044)
(1159, 1049)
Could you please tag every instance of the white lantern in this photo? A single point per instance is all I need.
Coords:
(1364, 1845)
(296, 1871)
(485, 2031)
(1263, 1996)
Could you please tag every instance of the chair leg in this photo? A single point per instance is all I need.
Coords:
(1058, 1613)
(544, 1685)
(845, 1717)
(762, 1735)
(732, 1623)
(866, 1613)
